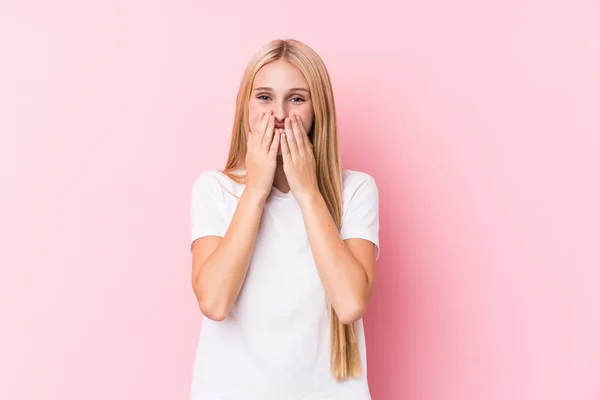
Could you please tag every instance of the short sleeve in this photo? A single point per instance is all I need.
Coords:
(361, 216)
(206, 208)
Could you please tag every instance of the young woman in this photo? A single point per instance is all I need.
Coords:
(284, 244)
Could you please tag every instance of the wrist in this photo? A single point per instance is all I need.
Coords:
(310, 198)
(255, 195)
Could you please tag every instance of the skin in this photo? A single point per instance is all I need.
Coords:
(273, 90)
(283, 158)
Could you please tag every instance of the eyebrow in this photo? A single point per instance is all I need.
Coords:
(298, 89)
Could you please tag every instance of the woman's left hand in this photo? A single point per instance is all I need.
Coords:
(299, 163)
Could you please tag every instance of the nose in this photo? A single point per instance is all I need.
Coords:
(280, 112)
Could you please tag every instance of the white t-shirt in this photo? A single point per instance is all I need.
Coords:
(275, 342)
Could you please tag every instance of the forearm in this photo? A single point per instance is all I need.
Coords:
(343, 277)
(222, 275)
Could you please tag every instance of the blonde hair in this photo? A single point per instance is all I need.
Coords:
(345, 357)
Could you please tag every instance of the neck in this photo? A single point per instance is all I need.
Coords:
(279, 180)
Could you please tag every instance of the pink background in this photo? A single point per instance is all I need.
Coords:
(479, 120)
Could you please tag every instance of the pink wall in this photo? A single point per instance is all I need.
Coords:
(479, 120)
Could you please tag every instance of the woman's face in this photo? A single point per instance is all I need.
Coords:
(280, 86)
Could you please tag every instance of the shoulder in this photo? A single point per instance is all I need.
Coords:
(354, 181)
(217, 182)
(207, 179)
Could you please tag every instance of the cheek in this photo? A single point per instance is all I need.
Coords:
(307, 120)
(255, 108)
(253, 111)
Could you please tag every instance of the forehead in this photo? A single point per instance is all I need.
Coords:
(280, 75)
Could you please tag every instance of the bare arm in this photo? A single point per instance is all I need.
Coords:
(219, 265)
(346, 268)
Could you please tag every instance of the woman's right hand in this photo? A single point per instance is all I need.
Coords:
(261, 154)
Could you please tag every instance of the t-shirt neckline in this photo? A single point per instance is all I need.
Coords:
(276, 193)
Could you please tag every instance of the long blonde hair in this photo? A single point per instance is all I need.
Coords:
(345, 357)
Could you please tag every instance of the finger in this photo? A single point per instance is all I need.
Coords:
(303, 134)
(290, 139)
(259, 128)
(268, 137)
(263, 123)
(275, 143)
(285, 149)
(297, 134)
